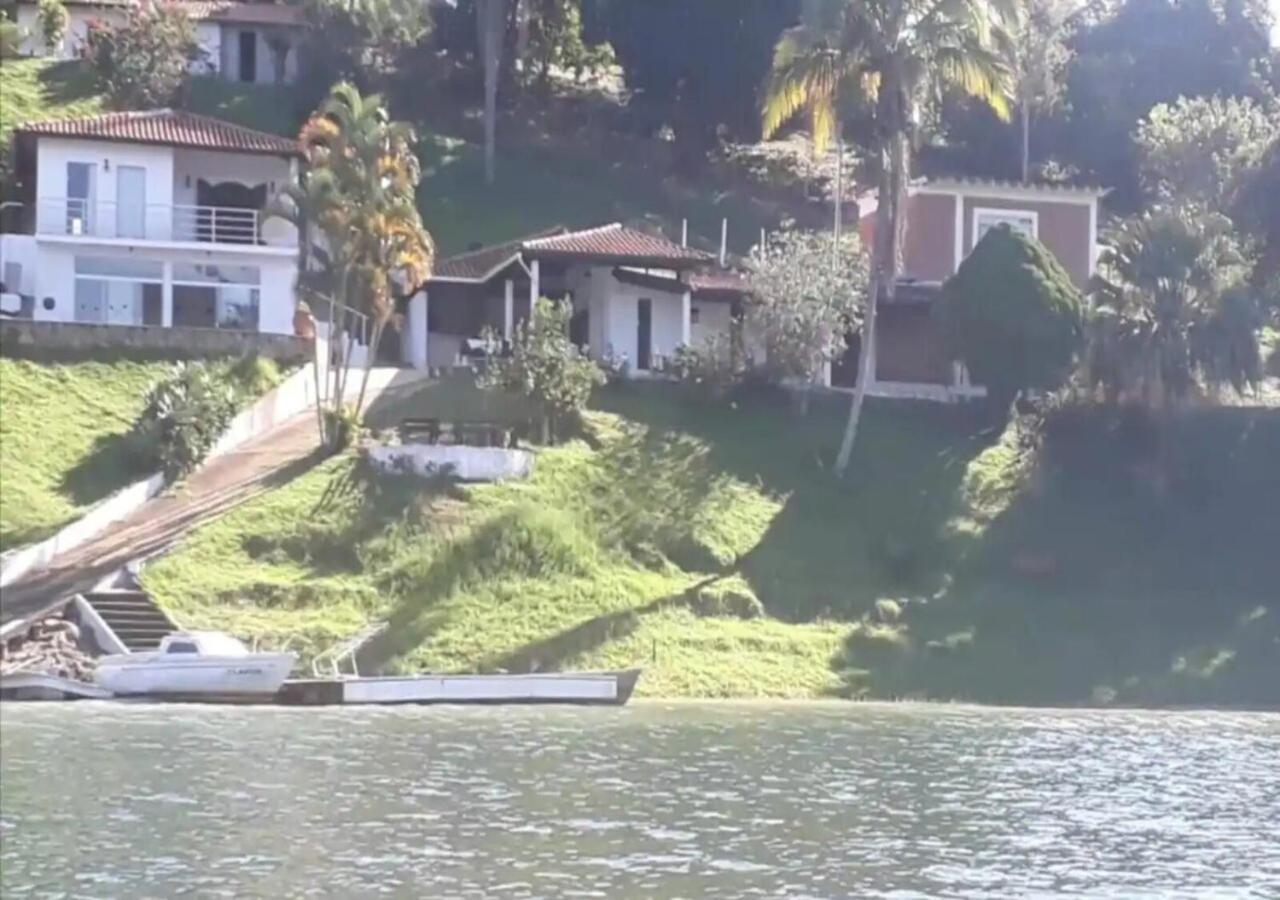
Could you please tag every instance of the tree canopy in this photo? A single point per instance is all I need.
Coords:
(1012, 314)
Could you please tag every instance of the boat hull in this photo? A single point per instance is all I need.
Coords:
(259, 675)
(591, 688)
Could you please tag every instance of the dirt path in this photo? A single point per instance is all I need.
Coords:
(217, 487)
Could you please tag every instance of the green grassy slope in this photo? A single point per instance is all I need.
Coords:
(62, 439)
(944, 567)
(36, 89)
(537, 188)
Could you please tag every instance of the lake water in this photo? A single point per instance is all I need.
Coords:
(654, 800)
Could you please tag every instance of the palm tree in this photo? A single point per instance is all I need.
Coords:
(358, 192)
(1173, 309)
(897, 55)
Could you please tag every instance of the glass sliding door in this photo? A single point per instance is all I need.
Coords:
(79, 198)
(131, 202)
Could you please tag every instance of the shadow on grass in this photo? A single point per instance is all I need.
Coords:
(68, 81)
(114, 461)
(837, 545)
(1141, 569)
(360, 512)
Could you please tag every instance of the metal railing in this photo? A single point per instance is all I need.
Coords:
(150, 221)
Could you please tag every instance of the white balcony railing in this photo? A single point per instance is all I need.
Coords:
(154, 222)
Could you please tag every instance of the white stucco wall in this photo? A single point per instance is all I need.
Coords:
(265, 65)
(209, 37)
(106, 158)
(621, 321)
(55, 276)
(714, 317)
(250, 169)
(19, 250)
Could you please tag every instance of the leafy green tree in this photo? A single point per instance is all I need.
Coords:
(693, 68)
(806, 296)
(361, 41)
(145, 60)
(1256, 210)
(1150, 52)
(556, 41)
(1173, 310)
(1037, 55)
(900, 54)
(1012, 315)
(546, 368)
(1201, 150)
(53, 22)
(358, 193)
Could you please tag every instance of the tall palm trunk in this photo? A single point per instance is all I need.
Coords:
(1026, 141)
(883, 278)
(490, 25)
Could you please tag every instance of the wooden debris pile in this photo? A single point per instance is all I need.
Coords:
(51, 647)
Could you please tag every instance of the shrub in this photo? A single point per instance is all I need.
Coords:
(145, 60)
(1012, 315)
(184, 416)
(547, 368)
(712, 370)
(730, 598)
(53, 22)
(254, 375)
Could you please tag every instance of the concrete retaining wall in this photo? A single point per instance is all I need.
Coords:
(465, 463)
(24, 335)
(17, 563)
(294, 395)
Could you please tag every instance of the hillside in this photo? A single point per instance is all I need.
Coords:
(63, 443)
(537, 187)
(710, 547)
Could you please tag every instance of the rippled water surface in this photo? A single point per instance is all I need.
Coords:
(649, 801)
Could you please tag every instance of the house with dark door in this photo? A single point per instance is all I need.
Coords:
(944, 220)
(636, 296)
(254, 41)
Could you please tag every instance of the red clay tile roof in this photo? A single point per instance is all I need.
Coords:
(173, 128)
(614, 243)
(719, 281)
(247, 13)
(484, 263)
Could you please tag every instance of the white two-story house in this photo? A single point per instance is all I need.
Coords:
(151, 219)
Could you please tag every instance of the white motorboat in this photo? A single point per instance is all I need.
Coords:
(196, 664)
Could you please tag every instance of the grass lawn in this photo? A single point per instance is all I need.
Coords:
(710, 546)
(62, 445)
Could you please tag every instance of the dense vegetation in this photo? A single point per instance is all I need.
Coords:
(705, 544)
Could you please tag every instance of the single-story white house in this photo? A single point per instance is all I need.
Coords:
(635, 296)
(151, 219)
(255, 41)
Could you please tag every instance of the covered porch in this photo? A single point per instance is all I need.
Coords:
(633, 295)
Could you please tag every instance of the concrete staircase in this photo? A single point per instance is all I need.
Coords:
(133, 616)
